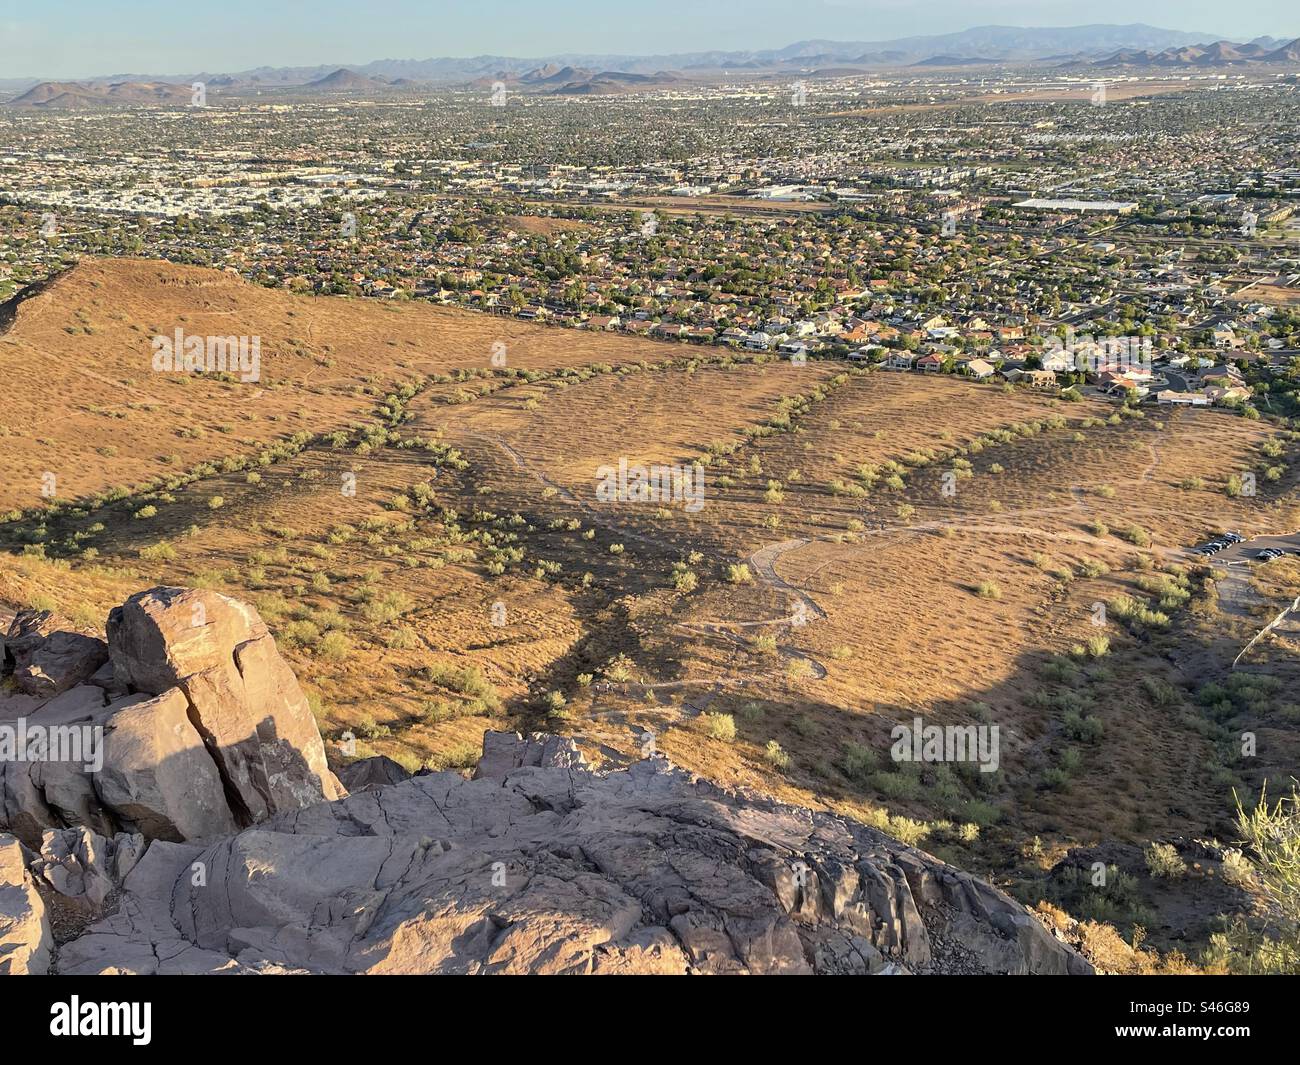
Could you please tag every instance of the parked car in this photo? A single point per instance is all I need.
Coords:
(1232, 538)
(1268, 554)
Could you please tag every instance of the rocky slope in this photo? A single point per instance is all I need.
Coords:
(539, 864)
(200, 725)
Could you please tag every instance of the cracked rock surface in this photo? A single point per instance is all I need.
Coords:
(214, 839)
(204, 728)
(548, 868)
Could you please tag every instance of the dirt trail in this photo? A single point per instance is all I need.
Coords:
(762, 564)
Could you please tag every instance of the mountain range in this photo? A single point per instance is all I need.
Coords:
(1103, 46)
(1219, 54)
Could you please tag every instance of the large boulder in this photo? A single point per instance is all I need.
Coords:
(243, 698)
(189, 725)
(159, 778)
(25, 937)
(372, 772)
(46, 656)
(555, 868)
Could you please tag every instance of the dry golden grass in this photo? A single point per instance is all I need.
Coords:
(468, 577)
(81, 359)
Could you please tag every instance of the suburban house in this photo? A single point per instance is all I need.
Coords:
(980, 369)
(1032, 378)
(1227, 395)
(1224, 376)
(1059, 361)
(1224, 337)
(1169, 398)
(900, 360)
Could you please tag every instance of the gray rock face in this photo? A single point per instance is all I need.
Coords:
(371, 773)
(47, 656)
(554, 868)
(84, 868)
(25, 938)
(242, 696)
(506, 751)
(202, 727)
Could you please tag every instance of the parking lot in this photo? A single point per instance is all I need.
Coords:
(1248, 549)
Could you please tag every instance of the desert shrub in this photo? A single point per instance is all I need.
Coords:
(386, 608)
(1159, 690)
(334, 647)
(1236, 868)
(859, 762)
(988, 590)
(1086, 728)
(402, 638)
(1164, 862)
(1054, 778)
(685, 581)
(461, 756)
(1134, 534)
(719, 726)
(619, 669)
(738, 573)
(162, 551)
(1271, 833)
(896, 785)
(775, 756)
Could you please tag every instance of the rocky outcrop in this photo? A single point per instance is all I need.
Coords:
(211, 837)
(25, 938)
(372, 772)
(242, 696)
(46, 657)
(533, 868)
(186, 725)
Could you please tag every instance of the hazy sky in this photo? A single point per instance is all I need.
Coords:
(76, 38)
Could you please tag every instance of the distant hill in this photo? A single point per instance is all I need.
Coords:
(1097, 46)
(610, 82)
(344, 80)
(550, 74)
(1260, 52)
(76, 95)
(951, 61)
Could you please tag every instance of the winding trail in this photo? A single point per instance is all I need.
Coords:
(762, 565)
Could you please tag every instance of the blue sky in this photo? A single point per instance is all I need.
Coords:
(74, 38)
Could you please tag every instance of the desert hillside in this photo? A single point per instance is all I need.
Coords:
(421, 529)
